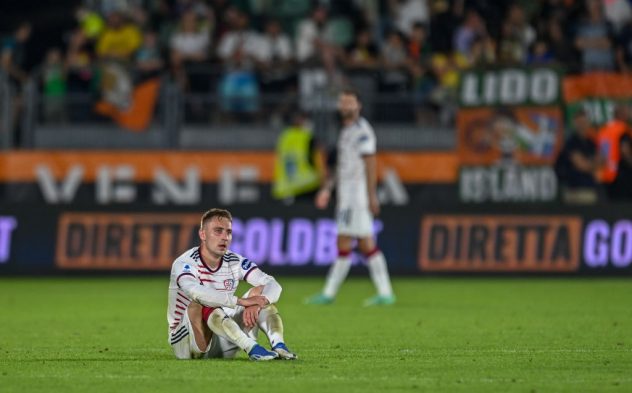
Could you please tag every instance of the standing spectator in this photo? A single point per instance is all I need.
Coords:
(624, 48)
(149, 63)
(594, 39)
(408, 13)
(617, 12)
(54, 86)
(362, 55)
(540, 54)
(609, 145)
(394, 62)
(275, 58)
(115, 48)
(13, 63)
(622, 186)
(80, 78)
(447, 15)
(562, 50)
(314, 44)
(239, 89)
(517, 37)
(419, 63)
(577, 164)
(468, 32)
(189, 46)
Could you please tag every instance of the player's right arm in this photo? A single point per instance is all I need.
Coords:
(209, 297)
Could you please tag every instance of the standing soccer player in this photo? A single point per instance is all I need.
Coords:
(356, 179)
(206, 319)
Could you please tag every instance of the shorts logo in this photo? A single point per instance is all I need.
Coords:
(246, 264)
(229, 283)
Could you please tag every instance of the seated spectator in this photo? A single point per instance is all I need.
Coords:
(516, 37)
(362, 55)
(482, 53)
(189, 46)
(54, 86)
(577, 163)
(408, 13)
(594, 39)
(239, 89)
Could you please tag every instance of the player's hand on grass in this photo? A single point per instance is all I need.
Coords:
(322, 198)
(260, 301)
(251, 314)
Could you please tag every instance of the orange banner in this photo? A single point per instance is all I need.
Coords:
(527, 135)
(597, 84)
(430, 167)
(473, 243)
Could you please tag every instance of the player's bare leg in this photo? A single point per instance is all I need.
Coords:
(201, 332)
(337, 272)
(379, 273)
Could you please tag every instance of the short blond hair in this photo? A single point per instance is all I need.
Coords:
(215, 212)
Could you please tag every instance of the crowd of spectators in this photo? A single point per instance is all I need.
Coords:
(240, 51)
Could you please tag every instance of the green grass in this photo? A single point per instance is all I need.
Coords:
(452, 335)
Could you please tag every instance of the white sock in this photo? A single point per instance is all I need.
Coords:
(224, 326)
(379, 273)
(337, 274)
(270, 322)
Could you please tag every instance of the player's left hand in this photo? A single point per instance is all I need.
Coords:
(251, 314)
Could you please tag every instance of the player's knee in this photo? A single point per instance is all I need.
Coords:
(217, 316)
(271, 309)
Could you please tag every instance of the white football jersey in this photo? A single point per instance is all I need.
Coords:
(219, 285)
(355, 141)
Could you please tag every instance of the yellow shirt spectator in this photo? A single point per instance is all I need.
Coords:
(119, 43)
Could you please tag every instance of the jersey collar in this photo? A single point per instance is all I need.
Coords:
(221, 260)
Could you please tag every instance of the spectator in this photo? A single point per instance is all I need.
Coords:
(419, 63)
(189, 46)
(540, 54)
(239, 89)
(119, 39)
(609, 144)
(447, 15)
(517, 36)
(594, 39)
(483, 52)
(577, 164)
(617, 13)
(624, 48)
(275, 59)
(314, 45)
(362, 55)
(468, 32)
(115, 48)
(13, 63)
(561, 49)
(447, 70)
(149, 63)
(622, 186)
(394, 63)
(408, 13)
(54, 86)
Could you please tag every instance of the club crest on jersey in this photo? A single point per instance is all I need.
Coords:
(246, 264)
(229, 283)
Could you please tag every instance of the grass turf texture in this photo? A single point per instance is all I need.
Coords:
(468, 335)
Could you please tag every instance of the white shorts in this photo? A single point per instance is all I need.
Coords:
(355, 222)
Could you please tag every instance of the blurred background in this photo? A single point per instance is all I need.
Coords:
(502, 127)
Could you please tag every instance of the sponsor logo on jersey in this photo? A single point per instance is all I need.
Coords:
(246, 264)
(229, 283)
(187, 268)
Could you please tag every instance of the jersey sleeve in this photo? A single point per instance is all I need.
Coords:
(255, 277)
(366, 142)
(188, 282)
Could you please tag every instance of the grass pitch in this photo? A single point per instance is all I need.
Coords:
(453, 335)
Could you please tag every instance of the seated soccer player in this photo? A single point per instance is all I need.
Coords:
(206, 319)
